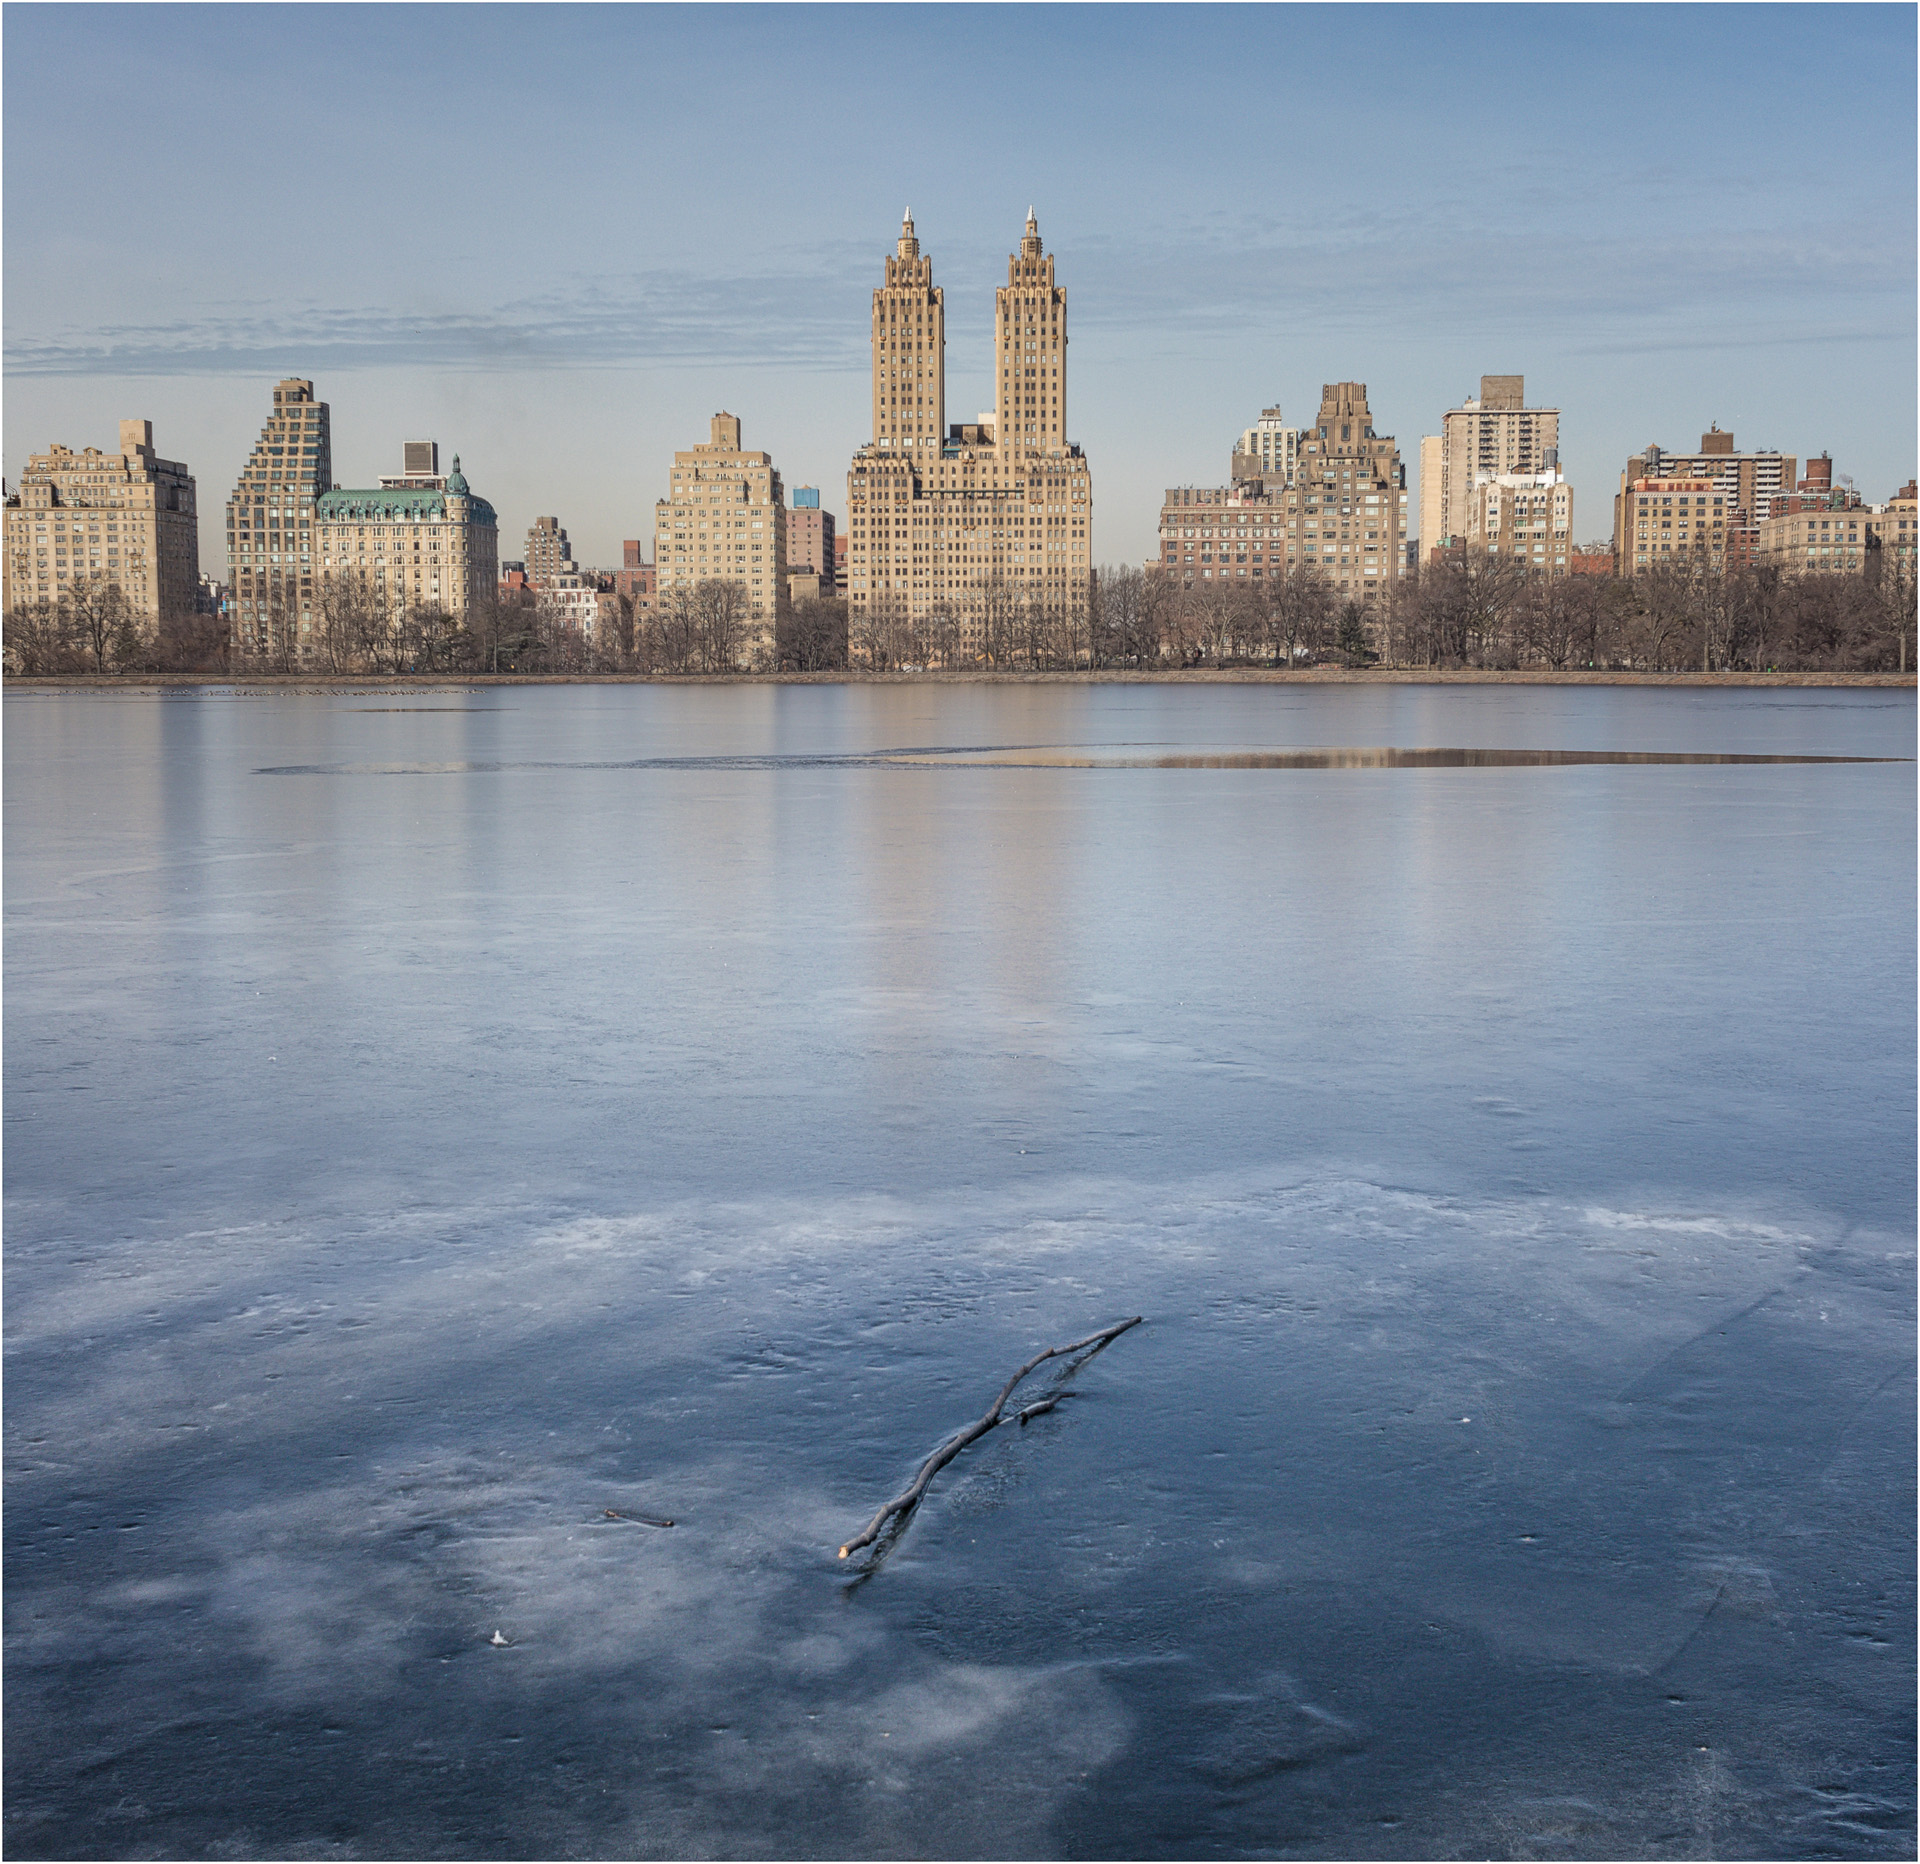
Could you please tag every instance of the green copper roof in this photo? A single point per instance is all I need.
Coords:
(395, 502)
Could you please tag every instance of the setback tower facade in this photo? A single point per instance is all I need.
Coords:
(270, 527)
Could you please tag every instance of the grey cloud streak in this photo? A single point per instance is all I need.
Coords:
(1840, 282)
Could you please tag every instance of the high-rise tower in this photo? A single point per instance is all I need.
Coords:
(909, 351)
(270, 527)
(1030, 334)
(1479, 440)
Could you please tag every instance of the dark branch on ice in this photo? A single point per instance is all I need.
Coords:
(909, 1497)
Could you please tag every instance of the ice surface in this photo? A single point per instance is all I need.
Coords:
(1515, 1168)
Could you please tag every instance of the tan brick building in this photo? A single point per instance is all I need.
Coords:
(1897, 525)
(127, 516)
(549, 554)
(1746, 484)
(725, 520)
(1818, 541)
(418, 541)
(1356, 480)
(270, 526)
(1433, 496)
(1675, 522)
(970, 515)
(1527, 516)
(1479, 440)
(1223, 533)
(1344, 514)
(1268, 450)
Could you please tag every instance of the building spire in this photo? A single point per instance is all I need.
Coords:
(1030, 247)
(908, 247)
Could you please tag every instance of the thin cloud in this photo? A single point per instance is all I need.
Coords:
(662, 317)
(1219, 279)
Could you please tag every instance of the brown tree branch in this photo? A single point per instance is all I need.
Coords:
(909, 1497)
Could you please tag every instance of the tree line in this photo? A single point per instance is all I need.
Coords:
(1480, 612)
(1477, 612)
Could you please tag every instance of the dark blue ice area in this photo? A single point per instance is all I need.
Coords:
(434, 1120)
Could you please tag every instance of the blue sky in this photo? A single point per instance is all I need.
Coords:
(558, 238)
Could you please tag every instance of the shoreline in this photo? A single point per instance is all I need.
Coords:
(1118, 676)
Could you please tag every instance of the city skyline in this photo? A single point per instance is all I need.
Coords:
(566, 358)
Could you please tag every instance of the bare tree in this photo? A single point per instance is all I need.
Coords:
(875, 633)
(431, 638)
(811, 637)
(190, 641)
(1554, 618)
(37, 641)
(1462, 611)
(720, 606)
(1298, 606)
(942, 634)
(350, 618)
(996, 608)
(679, 624)
(1656, 620)
(499, 632)
(95, 614)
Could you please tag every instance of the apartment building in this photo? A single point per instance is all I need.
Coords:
(270, 520)
(1344, 515)
(549, 554)
(724, 520)
(577, 599)
(1479, 440)
(1897, 525)
(1815, 540)
(419, 467)
(1269, 449)
(1747, 483)
(1671, 522)
(1355, 478)
(810, 544)
(128, 516)
(634, 579)
(1433, 495)
(978, 513)
(417, 541)
(1223, 533)
(1527, 516)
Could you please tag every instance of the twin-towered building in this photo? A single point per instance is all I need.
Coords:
(969, 515)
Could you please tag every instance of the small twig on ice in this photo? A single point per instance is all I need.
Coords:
(910, 1496)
